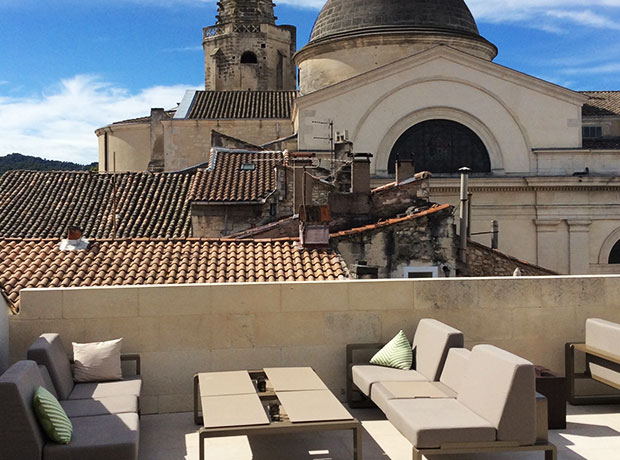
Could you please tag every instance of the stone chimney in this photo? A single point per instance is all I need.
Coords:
(74, 240)
(360, 173)
(301, 162)
(404, 170)
(157, 141)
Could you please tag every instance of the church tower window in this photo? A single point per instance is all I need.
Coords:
(249, 58)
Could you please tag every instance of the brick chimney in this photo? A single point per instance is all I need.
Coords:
(360, 173)
(404, 170)
(157, 140)
(74, 240)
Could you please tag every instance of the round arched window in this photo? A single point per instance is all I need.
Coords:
(441, 146)
(614, 255)
(249, 58)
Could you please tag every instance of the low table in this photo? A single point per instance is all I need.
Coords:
(232, 405)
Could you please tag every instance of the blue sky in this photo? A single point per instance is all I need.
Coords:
(68, 67)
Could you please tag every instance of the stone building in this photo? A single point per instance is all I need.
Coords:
(250, 85)
(414, 79)
(407, 80)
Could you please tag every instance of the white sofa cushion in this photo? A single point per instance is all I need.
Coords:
(604, 336)
(367, 374)
(429, 423)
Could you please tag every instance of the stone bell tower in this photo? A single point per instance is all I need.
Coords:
(246, 50)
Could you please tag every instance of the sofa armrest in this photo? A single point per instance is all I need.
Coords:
(353, 347)
(132, 357)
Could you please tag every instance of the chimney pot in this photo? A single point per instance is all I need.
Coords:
(74, 233)
(360, 173)
(405, 169)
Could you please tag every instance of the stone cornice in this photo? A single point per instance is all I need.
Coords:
(529, 184)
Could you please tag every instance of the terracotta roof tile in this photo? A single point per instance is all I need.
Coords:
(226, 181)
(601, 104)
(385, 223)
(242, 104)
(38, 263)
(42, 204)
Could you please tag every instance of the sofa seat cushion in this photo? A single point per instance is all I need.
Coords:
(130, 386)
(99, 438)
(367, 374)
(102, 406)
(382, 392)
(429, 423)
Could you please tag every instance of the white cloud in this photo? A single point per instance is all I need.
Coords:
(548, 14)
(61, 123)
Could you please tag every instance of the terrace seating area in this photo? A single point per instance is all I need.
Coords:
(423, 409)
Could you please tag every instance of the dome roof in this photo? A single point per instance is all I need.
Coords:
(358, 17)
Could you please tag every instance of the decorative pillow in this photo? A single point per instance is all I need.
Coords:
(52, 417)
(396, 353)
(97, 361)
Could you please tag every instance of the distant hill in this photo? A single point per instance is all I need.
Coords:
(19, 161)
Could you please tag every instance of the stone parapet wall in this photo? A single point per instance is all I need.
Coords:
(181, 330)
(484, 261)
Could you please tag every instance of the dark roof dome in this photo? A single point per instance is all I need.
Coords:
(356, 17)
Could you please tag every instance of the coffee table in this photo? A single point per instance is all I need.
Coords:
(232, 405)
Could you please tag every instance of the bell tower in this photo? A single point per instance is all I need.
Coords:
(246, 50)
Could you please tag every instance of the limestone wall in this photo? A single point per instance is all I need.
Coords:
(180, 330)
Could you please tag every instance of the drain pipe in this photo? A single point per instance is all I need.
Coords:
(463, 214)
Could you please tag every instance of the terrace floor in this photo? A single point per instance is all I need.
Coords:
(593, 433)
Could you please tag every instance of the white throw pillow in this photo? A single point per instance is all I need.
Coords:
(97, 361)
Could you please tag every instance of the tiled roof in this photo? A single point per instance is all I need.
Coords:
(602, 104)
(145, 119)
(387, 222)
(242, 104)
(38, 263)
(42, 204)
(225, 181)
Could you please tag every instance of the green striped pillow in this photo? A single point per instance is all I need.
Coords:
(52, 417)
(396, 353)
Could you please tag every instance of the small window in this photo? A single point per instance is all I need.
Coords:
(262, 45)
(590, 132)
(273, 209)
(249, 58)
(248, 167)
(420, 272)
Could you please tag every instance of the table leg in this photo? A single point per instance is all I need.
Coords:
(357, 443)
(201, 446)
(197, 418)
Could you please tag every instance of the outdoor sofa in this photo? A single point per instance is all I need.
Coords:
(602, 361)
(101, 437)
(495, 410)
(431, 343)
(80, 399)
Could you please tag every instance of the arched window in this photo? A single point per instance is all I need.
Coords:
(614, 255)
(441, 146)
(249, 58)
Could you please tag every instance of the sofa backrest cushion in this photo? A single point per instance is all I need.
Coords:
(500, 387)
(431, 343)
(605, 336)
(47, 381)
(48, 351)
(455, 367)
(20, 435)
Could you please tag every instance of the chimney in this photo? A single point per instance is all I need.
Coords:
(74, 240)
(157, 141)
(302, 184)
(404, 170)
(314, 226)
(360, 173)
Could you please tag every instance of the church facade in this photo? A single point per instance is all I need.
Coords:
(414, 80)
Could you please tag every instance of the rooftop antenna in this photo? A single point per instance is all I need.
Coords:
(114, 195)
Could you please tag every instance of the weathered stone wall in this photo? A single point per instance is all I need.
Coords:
(273, 47)
(428, 241)
(484, 261)
(181, 330)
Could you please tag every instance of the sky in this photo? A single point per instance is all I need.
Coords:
(68, 67)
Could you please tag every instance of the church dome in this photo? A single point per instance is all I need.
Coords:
(341, 18)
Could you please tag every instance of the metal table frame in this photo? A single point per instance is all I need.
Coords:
(274, 428)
